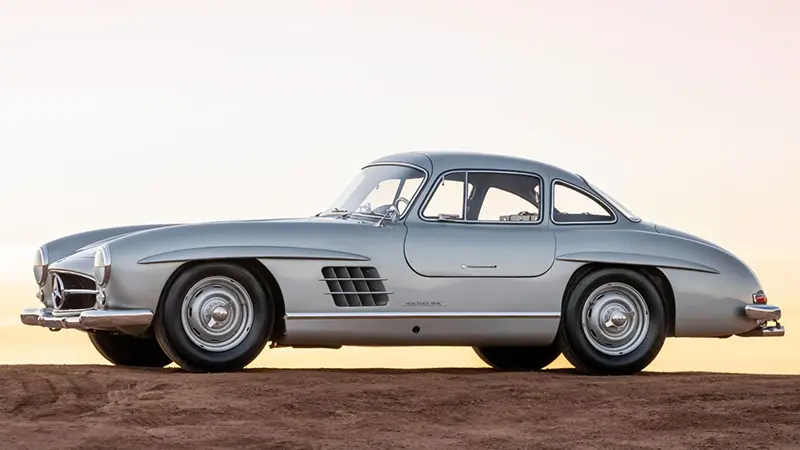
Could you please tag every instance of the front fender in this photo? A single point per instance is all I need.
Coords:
(250, 251)
(142, 263)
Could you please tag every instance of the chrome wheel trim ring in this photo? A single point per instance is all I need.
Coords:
(217, 314)
(615, 319)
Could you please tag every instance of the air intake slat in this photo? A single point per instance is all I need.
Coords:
(355, 286)
(347, 286)
(361, 286)
(334, 286)
(377, 287)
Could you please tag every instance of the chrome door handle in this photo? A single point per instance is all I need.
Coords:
(467, 266)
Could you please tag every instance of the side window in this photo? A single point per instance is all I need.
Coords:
(448, 198)
(570, 205)
(510, 198)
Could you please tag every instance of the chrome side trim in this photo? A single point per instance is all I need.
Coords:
(423, 315)
(360, 293)
(599, 200)
(762, 312)
(88, 320)
(352, 279)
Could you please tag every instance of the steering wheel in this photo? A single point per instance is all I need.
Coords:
(381, 210)
(397, 202)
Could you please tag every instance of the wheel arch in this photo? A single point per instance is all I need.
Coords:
(654, 274)
(257, 269)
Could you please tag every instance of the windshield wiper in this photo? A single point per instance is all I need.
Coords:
(332, 210)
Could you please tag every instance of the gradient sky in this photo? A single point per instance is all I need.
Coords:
(174, 111)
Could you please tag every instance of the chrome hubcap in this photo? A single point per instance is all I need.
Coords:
(618, 319)
(615, 319)
(217, 314)
(220, 314)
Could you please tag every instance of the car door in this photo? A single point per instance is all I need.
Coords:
(481, 224)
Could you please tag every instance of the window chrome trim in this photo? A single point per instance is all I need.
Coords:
(435, 187)
(589, 194)
(466, 172)
(634, 219)
(413, 198)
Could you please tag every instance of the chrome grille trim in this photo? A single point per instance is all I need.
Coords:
(75, 292)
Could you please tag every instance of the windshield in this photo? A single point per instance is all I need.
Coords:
(615, 203)
(376, 188)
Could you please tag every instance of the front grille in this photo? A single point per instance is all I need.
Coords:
(76, 292)
(355, 286)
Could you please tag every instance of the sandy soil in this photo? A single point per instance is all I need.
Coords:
(102, 407)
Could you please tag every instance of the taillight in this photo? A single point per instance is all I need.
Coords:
(760, 297)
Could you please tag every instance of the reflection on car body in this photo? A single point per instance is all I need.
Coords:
(518, 259)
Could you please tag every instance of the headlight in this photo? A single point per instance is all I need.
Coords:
(102, 266)
(40, 264)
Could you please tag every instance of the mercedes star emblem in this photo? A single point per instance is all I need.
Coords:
(58, 292)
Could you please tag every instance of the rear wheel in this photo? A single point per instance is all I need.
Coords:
(124, 350)
(518, 358)
(215, 317)
(614, 323)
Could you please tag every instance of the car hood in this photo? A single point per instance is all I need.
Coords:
(88, 251)
(81, 260)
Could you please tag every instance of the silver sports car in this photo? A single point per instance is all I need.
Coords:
(520, 260)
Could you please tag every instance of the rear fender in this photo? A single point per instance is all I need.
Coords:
(637, 260)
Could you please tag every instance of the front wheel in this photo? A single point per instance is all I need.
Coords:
(124, 350)
(613, 323)
(518, 358)
(216, 317)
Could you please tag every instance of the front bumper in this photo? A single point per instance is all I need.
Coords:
(763, 314)
(95, 319)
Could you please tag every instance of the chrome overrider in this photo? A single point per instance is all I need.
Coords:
(763, 313)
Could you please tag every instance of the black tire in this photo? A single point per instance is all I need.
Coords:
(124, 350)
(576, 346)
(172, 337)
(518, 358)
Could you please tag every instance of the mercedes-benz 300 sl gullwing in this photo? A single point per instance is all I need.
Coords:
(520, 260)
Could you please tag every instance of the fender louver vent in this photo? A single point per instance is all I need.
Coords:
(355, 286)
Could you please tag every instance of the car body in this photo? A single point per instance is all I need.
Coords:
(481, 250)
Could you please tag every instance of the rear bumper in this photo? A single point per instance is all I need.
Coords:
(763, 314)
(95, 319)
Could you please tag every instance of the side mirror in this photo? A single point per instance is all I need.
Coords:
(391, 214)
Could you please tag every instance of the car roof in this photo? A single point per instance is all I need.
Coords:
(438, 161)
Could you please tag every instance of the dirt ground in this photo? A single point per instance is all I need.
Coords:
(101, 407)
